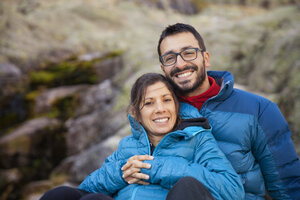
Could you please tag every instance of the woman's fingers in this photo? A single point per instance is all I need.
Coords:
(129, 172)
(136, 178)
(132, 168)
(133, 161)
(135, 167)
(143, 183)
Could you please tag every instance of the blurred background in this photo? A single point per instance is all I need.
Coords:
(67, 66)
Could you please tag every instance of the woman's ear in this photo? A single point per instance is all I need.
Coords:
(134, 115)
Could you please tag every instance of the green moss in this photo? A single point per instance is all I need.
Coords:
(64, 108)
(115, 54)
(67, 73)
(30, 96)
(71, 72)
(42, 77)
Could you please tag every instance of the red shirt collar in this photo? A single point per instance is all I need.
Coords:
(198, 101)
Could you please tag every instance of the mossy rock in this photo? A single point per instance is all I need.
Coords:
(71, 72)
(63, 108)
(67, 73)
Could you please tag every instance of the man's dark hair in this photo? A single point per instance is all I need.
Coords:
(180, 28)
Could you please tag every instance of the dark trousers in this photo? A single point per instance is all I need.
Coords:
(69, 193)
(189, 188)
(186, 188)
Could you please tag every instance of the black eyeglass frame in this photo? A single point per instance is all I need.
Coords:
(179, 53)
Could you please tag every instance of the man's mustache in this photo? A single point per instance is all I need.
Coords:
(177, 70)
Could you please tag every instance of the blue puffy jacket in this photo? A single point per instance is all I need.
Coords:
(255, 137)
(189, 152)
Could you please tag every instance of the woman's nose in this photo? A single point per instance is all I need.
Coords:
(160, 107)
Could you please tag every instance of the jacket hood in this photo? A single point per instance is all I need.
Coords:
(136, 128)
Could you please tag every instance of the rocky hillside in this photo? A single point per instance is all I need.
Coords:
(66, 69)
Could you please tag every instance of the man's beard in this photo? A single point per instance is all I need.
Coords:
(186, 90)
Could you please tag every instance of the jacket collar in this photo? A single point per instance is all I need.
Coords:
(136, 128)
(225, 80)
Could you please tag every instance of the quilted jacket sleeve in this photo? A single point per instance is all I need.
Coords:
(279, 161)
(210, 167)
(107, 179)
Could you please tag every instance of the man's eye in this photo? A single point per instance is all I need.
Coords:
(168, 58)
(186, 53)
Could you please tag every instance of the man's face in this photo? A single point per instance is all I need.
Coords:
(186, 76)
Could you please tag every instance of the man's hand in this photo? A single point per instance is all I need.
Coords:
(131, 170)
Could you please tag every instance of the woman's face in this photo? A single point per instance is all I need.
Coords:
(158, 111)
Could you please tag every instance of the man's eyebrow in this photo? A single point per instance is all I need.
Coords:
(183, 48)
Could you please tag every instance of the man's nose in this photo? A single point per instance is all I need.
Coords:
(179, 62)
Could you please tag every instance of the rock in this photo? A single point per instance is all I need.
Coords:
(10, 176)
(36, 189)
(97, 97)
(107, 68)
(182, 6)
(9, 179)
(90, 56)
(93, 119)
(45, 100)
(34, 147)
(80, 165)
(18, 147)
(10, 77)
(9, 73)
(91, 129)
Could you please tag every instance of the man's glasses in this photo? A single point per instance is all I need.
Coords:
(188, 54)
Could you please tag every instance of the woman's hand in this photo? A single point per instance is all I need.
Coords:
(131, 170)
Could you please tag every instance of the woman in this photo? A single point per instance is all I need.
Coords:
(161, 152)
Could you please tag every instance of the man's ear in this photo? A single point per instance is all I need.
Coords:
(206, 59)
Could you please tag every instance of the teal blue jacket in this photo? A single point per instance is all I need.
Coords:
(192, 151)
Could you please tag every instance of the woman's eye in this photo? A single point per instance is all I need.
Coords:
(147, 103)
(166, 100)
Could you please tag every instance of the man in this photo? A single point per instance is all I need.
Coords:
(249, 129)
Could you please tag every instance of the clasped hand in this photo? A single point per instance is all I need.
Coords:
(131, 170)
